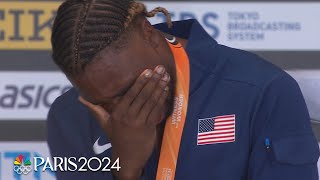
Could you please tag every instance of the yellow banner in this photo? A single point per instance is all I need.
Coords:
(26, 25)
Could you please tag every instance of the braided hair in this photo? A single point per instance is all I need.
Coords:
(83, 28)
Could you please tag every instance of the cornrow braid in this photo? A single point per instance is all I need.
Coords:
(83, 28)
(79, 28)
(138, 8)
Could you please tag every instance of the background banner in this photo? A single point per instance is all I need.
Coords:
(253, 25)
(29, 95)
(245, 25)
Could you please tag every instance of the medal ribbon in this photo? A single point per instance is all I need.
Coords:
(175, 122)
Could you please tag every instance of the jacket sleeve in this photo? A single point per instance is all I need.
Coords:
(283, 145)
(66, 136)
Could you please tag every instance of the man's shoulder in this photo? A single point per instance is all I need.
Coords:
(67, 99)
(67, 105)
(246, 67)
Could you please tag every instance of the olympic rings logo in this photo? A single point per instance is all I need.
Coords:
(22, 169)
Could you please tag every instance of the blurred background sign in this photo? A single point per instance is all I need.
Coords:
(253, 25)
(29, 95)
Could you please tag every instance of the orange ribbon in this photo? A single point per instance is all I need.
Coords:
(175, 123)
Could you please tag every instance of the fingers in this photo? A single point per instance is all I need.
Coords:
(159, 93)
(127, 99)
(154, 87)
(156, 115)
(102, 116)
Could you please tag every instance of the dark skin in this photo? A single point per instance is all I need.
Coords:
(129, 91)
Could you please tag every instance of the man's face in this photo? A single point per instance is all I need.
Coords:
(110, 76)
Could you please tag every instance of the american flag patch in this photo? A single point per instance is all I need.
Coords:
(220, 129)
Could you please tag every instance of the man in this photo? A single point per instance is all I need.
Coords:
(171, 103)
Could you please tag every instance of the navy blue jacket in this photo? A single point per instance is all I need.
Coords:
(266, 101)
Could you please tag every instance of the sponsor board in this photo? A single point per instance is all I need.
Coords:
(253, 26)
(26, 24)
(16, 157)
(309, 82)
(29, 95)
(244, 25)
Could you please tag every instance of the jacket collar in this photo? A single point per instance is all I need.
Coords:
(201, 48)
